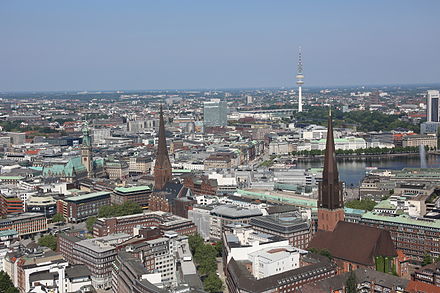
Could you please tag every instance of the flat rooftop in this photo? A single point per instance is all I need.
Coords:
(87, 196)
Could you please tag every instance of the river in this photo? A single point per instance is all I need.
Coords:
(353, 171)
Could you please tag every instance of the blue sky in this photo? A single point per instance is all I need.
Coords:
(98, 45)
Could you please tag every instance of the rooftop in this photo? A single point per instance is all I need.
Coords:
(403, 219)
(133, 188)
(87, 196)
(231, 211)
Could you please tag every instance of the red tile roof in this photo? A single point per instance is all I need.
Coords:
(355, 243)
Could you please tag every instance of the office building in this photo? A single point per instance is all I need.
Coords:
(97, 254)
(25, 224)
(433, 107)
(215, 113)
(288, 226)
(46, 205)
(10, 204)
(79, 208)
(137, 194)
(126, 224)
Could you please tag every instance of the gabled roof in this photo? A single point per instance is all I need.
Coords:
(355, 243)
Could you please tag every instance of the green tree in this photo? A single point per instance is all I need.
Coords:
(6, 284)
(127, 208)
(351, 283)
(48, 240)
(219, 248)
(365, 204)
(207, 266)
(212, 283)
(90, 222)
(195, 241)
(57, 218)
(427, 259)
(12, 290)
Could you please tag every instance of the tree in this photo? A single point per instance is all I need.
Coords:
(213, 283)
(12, 290)
(90, 222)
(57, 218)
(6, 284)
(219, 247)
(48, 240)
(351, 283)
(427, 259)
(195, 241)
(207, 266)
(125, 209)
(364, 204)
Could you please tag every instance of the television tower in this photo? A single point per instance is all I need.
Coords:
(299, 80)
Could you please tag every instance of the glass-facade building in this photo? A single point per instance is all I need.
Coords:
(215, 113)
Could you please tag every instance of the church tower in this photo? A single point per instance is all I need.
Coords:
(86, 151)
(330, 201)
(162, 167)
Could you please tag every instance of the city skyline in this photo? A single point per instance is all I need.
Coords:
(146, 45)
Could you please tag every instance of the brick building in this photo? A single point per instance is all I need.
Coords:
(126, 224)
(137, 194)
(79, 208)
(10, 204)
(163, 200)
(201, 185)
(25, 224)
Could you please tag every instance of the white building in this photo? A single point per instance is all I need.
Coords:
(275, 260)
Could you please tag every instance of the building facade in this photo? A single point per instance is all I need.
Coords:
(215, 113)
(25, 224)
(137, 194)
(79, 208)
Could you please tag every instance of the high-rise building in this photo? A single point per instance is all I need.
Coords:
(162, 167)
(433, 106)
(215, 113)
(300, 81)
(330, 201)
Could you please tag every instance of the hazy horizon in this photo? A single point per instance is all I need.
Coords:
(56, 46)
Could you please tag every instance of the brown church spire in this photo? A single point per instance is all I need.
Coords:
(330, 201)
(162, 168)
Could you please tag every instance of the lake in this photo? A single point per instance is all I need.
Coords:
(353, 171)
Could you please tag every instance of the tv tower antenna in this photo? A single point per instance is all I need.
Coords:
(300, 80)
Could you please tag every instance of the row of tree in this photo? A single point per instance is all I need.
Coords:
(115, 210)
(363, 120)
(364, 204)
(365, 151)
(205, 257)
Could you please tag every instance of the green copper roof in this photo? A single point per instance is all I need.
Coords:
(181, 171)
(8, 233)
(403, 220)
(11, 177)
(72, 167)
(385, 204)
(354, 211)
(133, 188)
(287, 199)
(87, 196)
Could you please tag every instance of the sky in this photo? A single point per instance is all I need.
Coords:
(135, 45)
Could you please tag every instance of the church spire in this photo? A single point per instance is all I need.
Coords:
(330, 201)
(162, 168)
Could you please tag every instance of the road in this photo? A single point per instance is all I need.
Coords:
(221, 273)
